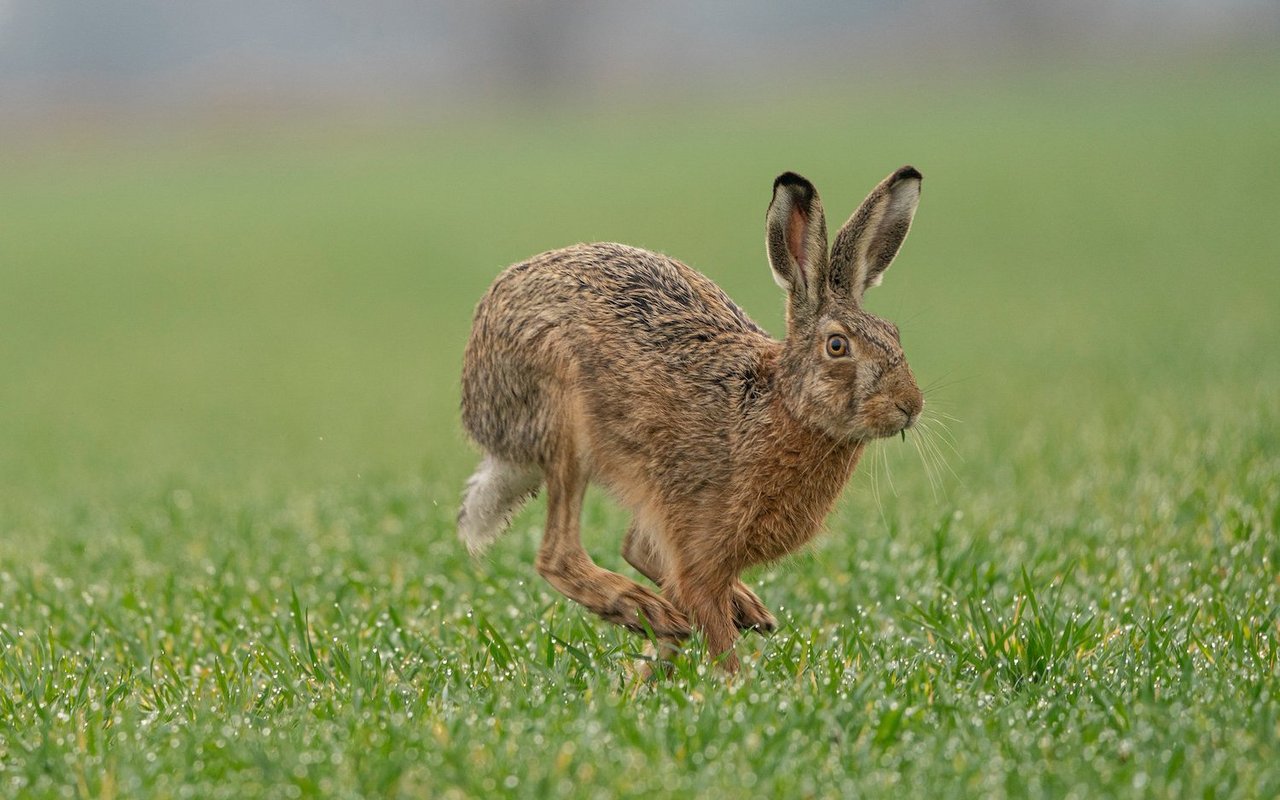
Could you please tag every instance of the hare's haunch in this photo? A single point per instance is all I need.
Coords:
(605, 363)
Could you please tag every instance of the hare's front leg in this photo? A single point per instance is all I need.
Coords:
(566, 565)
(749, 613)
(709, 600)
(641, 551)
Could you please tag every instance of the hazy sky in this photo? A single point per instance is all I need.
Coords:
(137, 52)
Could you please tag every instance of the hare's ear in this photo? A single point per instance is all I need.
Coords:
(865, 246)
(796, 235)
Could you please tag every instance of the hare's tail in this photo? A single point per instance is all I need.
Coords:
(493, 495)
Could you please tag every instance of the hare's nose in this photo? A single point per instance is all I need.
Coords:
(910, 411)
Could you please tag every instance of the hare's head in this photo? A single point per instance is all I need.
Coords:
(843, 368)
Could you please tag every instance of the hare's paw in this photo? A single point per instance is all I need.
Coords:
(749, 614)
(637, 608)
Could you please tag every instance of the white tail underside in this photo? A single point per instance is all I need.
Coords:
(493, 495)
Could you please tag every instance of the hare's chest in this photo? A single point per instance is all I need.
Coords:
(790, 502)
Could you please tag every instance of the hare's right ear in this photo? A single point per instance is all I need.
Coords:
(865, 246)
(796, 235)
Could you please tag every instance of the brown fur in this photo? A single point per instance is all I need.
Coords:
(606, 363)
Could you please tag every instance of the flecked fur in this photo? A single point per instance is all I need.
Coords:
(606, 363)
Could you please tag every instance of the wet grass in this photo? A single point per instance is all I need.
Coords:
(229, 460)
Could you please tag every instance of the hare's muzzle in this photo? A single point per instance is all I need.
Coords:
(909, 415)
(910, 407)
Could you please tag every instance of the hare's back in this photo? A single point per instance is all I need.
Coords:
(635, 295)
(649, 346)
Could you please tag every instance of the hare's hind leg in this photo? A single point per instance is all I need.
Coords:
(641, 551)
(566, 565)
(493, 494)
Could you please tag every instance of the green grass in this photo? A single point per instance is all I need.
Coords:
(229, 459)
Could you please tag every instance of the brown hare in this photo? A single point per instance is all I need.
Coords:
(606, 363)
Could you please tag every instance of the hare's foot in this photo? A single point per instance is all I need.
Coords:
(749, 614)
(638, 609)
(616, 599)
(713, 613)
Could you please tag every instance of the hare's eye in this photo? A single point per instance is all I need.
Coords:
(837, 346)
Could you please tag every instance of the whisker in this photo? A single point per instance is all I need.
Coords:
(882, 456)
(875, 486)
(933, 388)
(943, 433)
(945, 381)
(946, 373)
(930, 443)
(940, 418)
(928, 468)
(926, 449)
(938, 455)
(888, 471)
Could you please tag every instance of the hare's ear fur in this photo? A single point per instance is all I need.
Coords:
(865, 246)
(796, 236)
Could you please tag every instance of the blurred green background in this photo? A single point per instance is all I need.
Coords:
(288, 304)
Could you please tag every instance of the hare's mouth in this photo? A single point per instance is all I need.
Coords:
(884, 418)
(909, 415)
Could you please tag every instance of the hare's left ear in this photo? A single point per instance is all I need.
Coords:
(796, 236)
(865, 246)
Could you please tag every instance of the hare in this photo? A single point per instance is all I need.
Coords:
(607, 363)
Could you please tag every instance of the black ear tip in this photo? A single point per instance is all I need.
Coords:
(796, 186)
(907, 172)
(791, 179)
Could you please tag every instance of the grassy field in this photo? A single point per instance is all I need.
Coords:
(230, 458)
